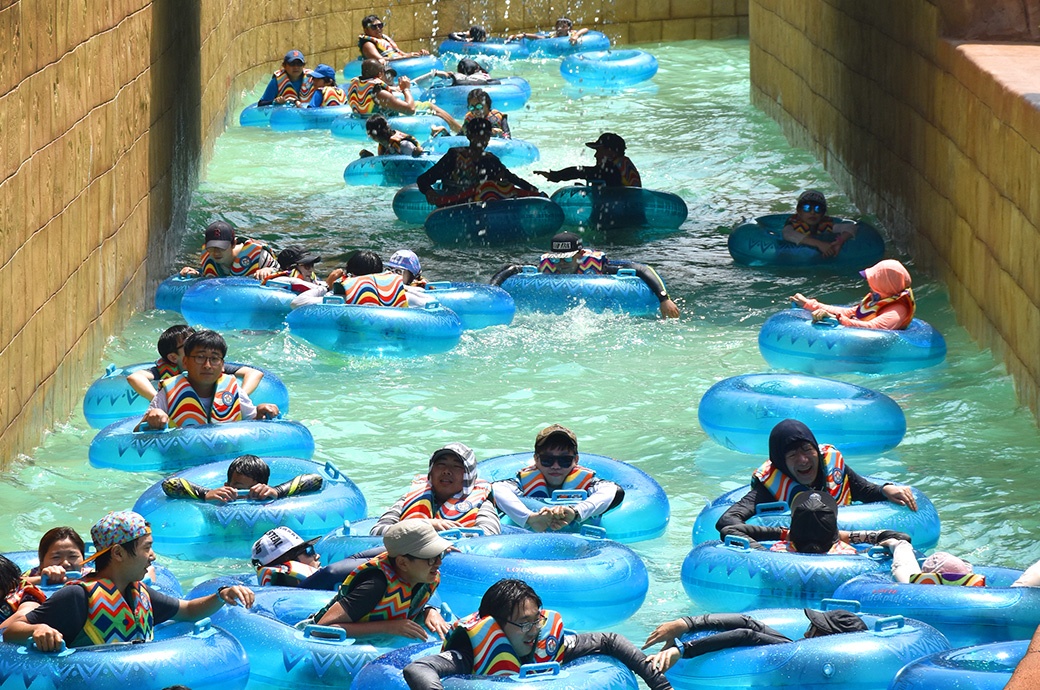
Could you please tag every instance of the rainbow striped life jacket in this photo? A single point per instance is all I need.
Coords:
(532, 482)
(869, 308)
(165, 369)
(492, 653)
(361, 95)
(22, 593)
(589, 262)
(288, 574)
(495, 117)
(418, 503)
(957, 579)
(785, 488)
(376, 290)
(332, 95)
(400, 600)
(826, 224)
(251, 258)
(110, 618)
(186, 408)
(287, 90)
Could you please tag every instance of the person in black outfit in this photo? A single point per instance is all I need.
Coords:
(511, 619)
(612, 169)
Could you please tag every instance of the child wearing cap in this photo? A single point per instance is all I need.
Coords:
(890, 304)
(738, 630)
(555, 466)
(390, 593)
(290, 84)
(224, 255)
(811, 226)
(613, 168)
(326, 93)
(449, 496)
(171, 352)
(112, 604)
(568, 256)
(282, 558)
(246, 472)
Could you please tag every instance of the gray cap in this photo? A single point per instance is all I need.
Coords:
(414, 538)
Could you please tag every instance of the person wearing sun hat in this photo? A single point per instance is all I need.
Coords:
(568, 256)
(890, 304)
(613, 168)
(390, 593)
(554, 467)
(225, 255)
(450, 495)
(112, 604)
(810, 225)
(290, 84)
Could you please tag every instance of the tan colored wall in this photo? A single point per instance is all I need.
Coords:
(110, 106)
(940, 139)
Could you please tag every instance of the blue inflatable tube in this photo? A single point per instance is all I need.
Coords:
(477, 305)
(760, 242)
(609, 68)
(200, 530)
(558, 46)
(512, 152)
(643, 515)
(593, 672)
(923, 526)
(985, 667)
(165, 581)
(352, 126)
(111, 399)
(966, 615)
(280, 656)
(507, 95)
(237, 303)
(377, 331)
(299, 119)
(624, 292)
(257, 115)
(392, 170)
(405, 67)
(790, 340)
(594, 583)
(609, 208)
(203, 656)
(121, 446)
(739, 413)
(169, 293)
(493, 47)
(495, 222)
(731, 576)
(411, 206)
(866, 660)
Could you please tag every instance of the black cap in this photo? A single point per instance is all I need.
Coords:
(608, 140)
(831, 622)
(565, 243)
(220, 232)
(814, 522)
(295, 254)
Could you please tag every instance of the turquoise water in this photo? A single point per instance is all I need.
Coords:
(629, 388)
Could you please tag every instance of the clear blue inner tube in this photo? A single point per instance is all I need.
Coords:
(495, 222)
(790, 340)
(393, 170)
(923, 525)
(739, 412)
(168, 293)
(352, 126)
(608, 208)
(760, 242)
(493, 47)
(862, 660)
(730, 576)
(411, 206)
(507, 95)
(237, 303)
(558, 46)
(512, 152)
(609, 68)
(121, 446)
(299, 119)
(477, 305)
(985, 667)
(111, 399)
(643, 515)
(405, 67)
(624, 292)
(200, 530)
(254, 115)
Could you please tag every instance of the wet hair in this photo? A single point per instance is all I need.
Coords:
(364, 262)
(205, 340)
(566, 20)
(502, 598)
(370, 20)
(371, 69)
(102, 561)
(477, 34)
(469, 66)
(478, 125)
(481, 95)
(171, 337)
(377, 124)
(57, 534)
(10, 576)
(251, 466)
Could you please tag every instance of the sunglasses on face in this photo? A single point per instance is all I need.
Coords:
(815, 208)
(309, 550)
(377, 26)
(563, 461)
(558, 259)
(477, 106)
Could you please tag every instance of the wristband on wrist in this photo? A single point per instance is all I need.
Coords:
(220, 592)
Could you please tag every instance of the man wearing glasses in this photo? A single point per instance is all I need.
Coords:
(203, 393)
(555, 467)
(510, 629)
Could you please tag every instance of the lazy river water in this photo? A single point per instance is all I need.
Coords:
(629, 388)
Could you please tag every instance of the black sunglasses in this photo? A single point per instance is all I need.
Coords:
(561, 460)
(815, 208)
(377, 26)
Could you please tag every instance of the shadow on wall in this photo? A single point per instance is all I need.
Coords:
(175, 142)
(1009, 20)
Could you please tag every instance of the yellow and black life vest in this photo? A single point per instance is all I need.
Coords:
(385, 45)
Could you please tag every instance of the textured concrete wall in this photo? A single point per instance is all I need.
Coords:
(940, 139)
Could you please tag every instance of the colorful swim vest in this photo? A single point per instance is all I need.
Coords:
(110, 618)
(186, 408)
(869, 308)
(785, 488)
(386, 47)
(287, 90)
(165, 369)
(394, 145)
(400, 600)
(957, 579)
(588, 262)
(493, 655)
(532, 481)
(419, 503)
(495, 117)
(361, 95)
(826, 224)
(251, 258)
(289, 574)
(331, 95)
(376, 290)
(21, 594)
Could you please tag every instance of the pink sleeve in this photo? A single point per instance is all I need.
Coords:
(813, 305)
(888, 320)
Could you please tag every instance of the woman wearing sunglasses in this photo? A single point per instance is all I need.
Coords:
(811, 226)
(478, 105)
(555, 467)
(374, 45)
